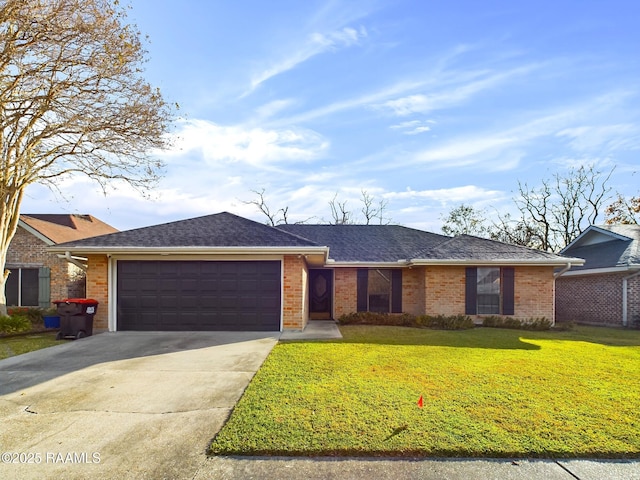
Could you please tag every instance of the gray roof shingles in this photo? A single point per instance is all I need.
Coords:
(367, 243)
(219, 230)
(347, 243)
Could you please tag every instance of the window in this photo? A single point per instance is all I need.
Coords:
(22, 287)
(380, 290)
(489, 291)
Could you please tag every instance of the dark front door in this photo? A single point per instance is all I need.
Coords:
(320, 294)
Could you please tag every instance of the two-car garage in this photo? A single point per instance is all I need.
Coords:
(198, 295)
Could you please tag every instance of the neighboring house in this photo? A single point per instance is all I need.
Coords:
(225, 272)
(37, 276)
(606, 289)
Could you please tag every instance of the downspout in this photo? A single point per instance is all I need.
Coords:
(625, 319)
(561, 272)
(67, 256)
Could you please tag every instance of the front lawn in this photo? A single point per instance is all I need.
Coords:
(19, 344)
(486, 392)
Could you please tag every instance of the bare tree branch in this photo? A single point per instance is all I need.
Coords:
(73, 101)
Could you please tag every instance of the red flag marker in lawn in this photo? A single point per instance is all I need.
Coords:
(420, 402)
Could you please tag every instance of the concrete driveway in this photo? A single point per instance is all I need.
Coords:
(123, 405)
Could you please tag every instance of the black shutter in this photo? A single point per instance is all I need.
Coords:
(363, 289)
(471, 291)
(508, 303)
(396, 291)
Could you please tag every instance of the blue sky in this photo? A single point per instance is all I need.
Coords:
(423, 104)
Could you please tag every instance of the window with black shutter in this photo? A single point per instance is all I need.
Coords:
(379, 290)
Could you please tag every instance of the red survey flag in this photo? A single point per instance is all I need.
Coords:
(420, 402)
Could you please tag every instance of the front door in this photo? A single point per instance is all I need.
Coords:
(320, 294)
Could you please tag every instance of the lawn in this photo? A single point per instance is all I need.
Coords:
(486, 392)
(19, 344)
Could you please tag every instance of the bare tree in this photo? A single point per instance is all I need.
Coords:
(623, 211)
(371, 212)
(339, 213)
(72, 101)
(555, 213)
(273, 218)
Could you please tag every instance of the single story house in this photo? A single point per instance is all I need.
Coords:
(37, 276)
(225, 272)
(606, 289)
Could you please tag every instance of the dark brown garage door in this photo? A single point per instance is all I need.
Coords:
(185, 295)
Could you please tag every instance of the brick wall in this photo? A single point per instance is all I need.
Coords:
(345, 291)
(595, 299)
(440, 290)
(413, 299)
(295, 293)
(444, 290)
(633, 302)
(28, 251)
(98, 289)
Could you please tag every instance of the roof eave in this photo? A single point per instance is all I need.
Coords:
(128, 250)
(499, 261)
(603, 271)
(34, 232)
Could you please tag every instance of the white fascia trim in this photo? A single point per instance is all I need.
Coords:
(600, 271)
(501, 262)
(36, 233)
(196, 250)
(399, 263)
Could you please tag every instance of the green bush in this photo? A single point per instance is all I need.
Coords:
(494, 321)
(454, 322)
(15, 324)
(33, 314)
(444, 322)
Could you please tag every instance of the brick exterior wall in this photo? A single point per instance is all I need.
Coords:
(28, 251)
(633, 302)
(98, 289)
(295, 301)
(345, 291)
(413, 291)
(440, 290)
(597, 299)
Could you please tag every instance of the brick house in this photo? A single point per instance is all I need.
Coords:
(37, 276)
(606, 289)
(225, 272)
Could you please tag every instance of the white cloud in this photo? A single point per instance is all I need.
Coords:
(467, 193)
(316, 44)
(413, 127)
(609, 137)
(252, 145)
(454, 91)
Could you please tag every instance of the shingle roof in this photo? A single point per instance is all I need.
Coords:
(346, 243)
(465, 247)
(390, 243)
(60, 228)
(219, 230)
(620, 250)
(367, 243)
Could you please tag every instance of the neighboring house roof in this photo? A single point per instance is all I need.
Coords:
(336, 244)
(614, 247)
(60, 228)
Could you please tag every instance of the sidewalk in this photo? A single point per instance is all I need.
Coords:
(231, 468)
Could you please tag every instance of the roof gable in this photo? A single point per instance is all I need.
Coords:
(60, 228)
(607, 246)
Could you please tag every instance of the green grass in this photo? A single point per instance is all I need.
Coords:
(10, 346)
(487, 392)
